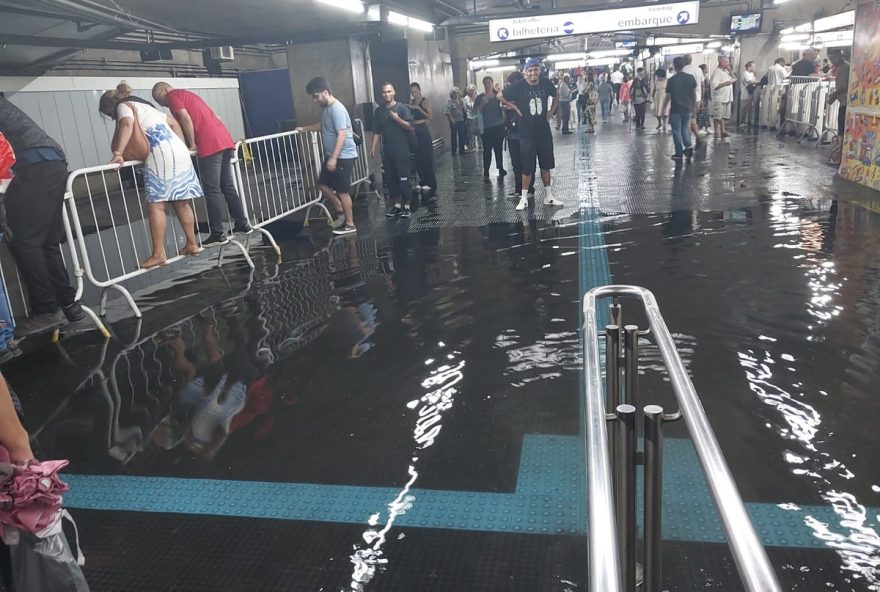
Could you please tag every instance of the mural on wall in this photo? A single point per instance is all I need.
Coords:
(861, 150)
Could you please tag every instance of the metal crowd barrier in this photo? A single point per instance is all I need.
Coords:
(611, 468)
(277, 176)
(768, 101)
(805, 107)
(361, 173)
(112, 230)
(17, 302)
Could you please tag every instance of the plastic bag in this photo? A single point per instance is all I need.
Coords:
(44, 562)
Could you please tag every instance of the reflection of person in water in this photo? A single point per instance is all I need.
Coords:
(223, 394)
(349, 331)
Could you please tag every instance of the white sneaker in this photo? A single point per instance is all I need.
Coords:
(552, 202)
(523, 204)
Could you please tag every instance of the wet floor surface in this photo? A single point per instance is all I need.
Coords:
(400, 410)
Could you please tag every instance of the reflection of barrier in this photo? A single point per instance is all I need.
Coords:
(611, 467)
(280, 178)
(768, 102)
(113, 233)
(805, 107)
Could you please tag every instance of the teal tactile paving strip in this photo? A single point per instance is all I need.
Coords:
(550, 498)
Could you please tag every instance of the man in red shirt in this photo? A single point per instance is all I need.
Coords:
(206, 134)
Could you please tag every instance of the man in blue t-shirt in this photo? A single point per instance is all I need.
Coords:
(340, 153)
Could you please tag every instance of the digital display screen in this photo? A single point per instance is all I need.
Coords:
(746, 23)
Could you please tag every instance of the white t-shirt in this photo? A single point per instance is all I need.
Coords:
(725, 93)
(617, 77)
(776, 75)
(747, 79)
(698, 76)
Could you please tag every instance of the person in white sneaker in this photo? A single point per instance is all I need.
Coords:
(530, 98)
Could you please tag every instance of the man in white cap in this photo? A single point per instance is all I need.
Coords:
(530, 98)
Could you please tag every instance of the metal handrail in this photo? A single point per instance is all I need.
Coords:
(751, 558)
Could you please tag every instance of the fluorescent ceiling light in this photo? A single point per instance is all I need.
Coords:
(667, 40)
(794, 37)
(395, 18)
(727, 48)
(569, 64)
(499, 68)
(836, 21)
(560, 57)
(602, 61)
(350, 5)
(778, 2)
(713, 45)
(608, 53)
(477, 64)
(794, 46)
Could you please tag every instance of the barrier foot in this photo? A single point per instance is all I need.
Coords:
(97, 321)
(323, 207)
(244, 252)
(271, 239)
(128, 298)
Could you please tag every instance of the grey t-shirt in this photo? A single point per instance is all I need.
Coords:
(605, 91)
(492, 115)
(334, 118)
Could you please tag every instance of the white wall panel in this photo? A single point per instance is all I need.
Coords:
(67, 109)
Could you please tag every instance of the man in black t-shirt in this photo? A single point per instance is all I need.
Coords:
(530, 98)
(391, 123)
(681, 100)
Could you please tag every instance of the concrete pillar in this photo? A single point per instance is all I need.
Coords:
(345, 63)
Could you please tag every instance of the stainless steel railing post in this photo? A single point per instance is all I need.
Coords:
(653, 485)
(631, 365)
(612, 366)
(625, 428)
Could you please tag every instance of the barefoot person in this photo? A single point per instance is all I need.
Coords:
(169, 175)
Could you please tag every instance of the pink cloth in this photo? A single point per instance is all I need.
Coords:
(30, 495)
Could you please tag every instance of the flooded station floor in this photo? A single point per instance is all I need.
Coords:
(400, 410)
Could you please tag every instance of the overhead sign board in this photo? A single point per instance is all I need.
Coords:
(596, 21)
(836, 21)
(620, 44)
(677, 50)
(833, 38)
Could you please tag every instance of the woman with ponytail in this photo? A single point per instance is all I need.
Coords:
(145, 133)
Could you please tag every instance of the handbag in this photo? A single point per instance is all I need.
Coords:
(138, 147)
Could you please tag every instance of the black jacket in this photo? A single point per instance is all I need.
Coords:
(21, 131)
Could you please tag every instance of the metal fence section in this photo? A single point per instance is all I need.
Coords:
(805, 107)
(361, 172)
(108, 221)
(611, 467)
(17, 300)
(277, 176)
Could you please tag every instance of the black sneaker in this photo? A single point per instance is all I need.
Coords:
(243, 228)
(345, 230)
(406, 213)
(215, 239)
(394, 212)
(41, 323)
(73, 312)
(339, 221)
(486, 174)
(677, 156)
(689, 152)
(501, 172)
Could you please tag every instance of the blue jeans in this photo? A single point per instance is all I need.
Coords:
(681, 134)
(606, 109)
(7, 325)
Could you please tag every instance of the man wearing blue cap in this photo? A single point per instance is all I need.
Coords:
(530, 98)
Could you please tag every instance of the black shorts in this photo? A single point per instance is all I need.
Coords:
(541, 148)
(340, 179)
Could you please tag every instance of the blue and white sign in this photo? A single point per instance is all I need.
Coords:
(677, 14)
